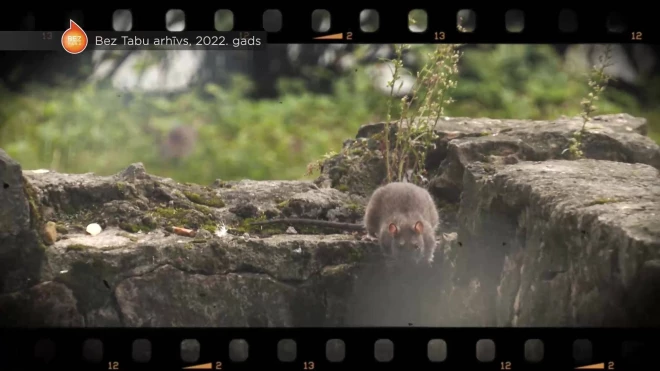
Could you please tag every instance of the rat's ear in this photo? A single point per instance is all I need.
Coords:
(419, 227)
(393, 229)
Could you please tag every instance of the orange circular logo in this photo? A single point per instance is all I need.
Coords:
(74, 40)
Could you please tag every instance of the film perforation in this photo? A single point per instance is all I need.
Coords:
(567, 21)
(383, 348)
(295, 24)
(515, 20)
(324, 20)
(374, 25)
(421, 16)
(616, 22)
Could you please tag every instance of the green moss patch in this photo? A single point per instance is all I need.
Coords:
(206, 200)
(61, 229)
(33, 201)
(178, 217)
(77, 247)
(246, 226)
(355, 207)
(135, 227)
(210, 227)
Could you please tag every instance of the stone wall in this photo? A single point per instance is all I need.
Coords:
(529, 238)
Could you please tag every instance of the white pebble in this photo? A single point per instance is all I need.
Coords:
(94, 229)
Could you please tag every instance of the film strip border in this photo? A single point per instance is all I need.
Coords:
(330, 349)
(291, 23)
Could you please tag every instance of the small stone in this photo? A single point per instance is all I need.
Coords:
(50, 233)
(133, 172)
(291, 230)
(245, 211)
(203, 233)
(93, 229)
(149, 221)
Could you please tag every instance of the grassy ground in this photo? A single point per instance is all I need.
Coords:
(94, 129)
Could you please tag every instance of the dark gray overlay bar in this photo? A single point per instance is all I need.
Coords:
(144, 40)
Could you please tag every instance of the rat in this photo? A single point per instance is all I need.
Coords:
(400, 215)
(404, 218)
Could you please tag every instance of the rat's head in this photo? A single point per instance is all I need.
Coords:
(405, 240)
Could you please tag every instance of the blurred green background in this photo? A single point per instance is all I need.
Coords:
(89, 125)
